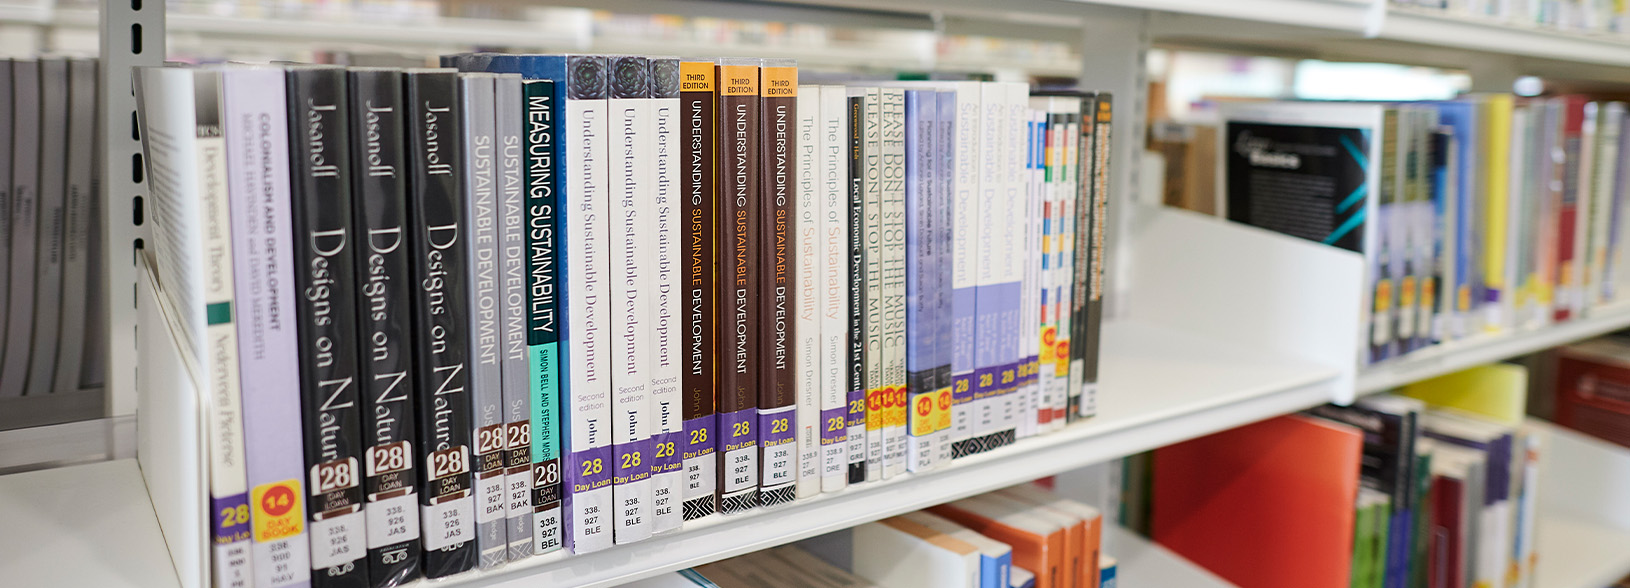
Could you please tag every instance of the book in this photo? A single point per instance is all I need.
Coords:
(892, 279)
(902, 552)
(1011, 260)
(543, 308)
(922, 276)
(876, 386)
(257, 153)
(833, 285)
(995, 557)
(320, 190)
(1037, 542)
(990, 295)
(778, 388)
(944, 193)
(778, 566)
(808, 286)
(633, 247)
(667, 467)
(509, 118)
(740, 282)
(49, 205)
(8, 85)
(386, 320)
(1391, 429)
(184, 136)
(1090, 527)
(485, 370)
(699, 142)
(24, 224)
(440, 335)
(857, 445)
(1085, 342)
(79, 193)
(1570, 230)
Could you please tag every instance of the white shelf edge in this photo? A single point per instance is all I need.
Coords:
(1579, 554)
(1458, 355)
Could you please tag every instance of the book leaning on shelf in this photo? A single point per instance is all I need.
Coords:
(533, 301)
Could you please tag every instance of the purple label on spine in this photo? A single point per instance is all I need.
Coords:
(857, 398)
(589, 469)
(984, 382)
(231, 517)
(738, 429)
(833, 426)
(776, 428)
(962, 389)
(667, 452)
(699, 436)
(633, 461)
(1007, 379)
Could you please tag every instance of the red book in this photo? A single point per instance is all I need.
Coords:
(1569, 266)
(1593, 389)
(1265, 505)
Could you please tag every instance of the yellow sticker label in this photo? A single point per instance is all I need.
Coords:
(738, 80)
(696, 76)
(1463, 298)
(1383, 296)
(942, 409)
(780, 82)
(923, 415)
(277, 511)
(1406, 292)
(874, 408)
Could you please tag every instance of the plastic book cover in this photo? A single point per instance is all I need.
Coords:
(892, 277)
(699, 156)
(630, 127)
(833, 287)
(668, 426)
(777, 389)
(740, 282)
(23, 225)
(515, 369)
(386, 319)
(808, 262)
(438, 245)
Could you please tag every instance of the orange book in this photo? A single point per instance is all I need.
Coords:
(1092, 527)
(1038, 543)
(1266, 505)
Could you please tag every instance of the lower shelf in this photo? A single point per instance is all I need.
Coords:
(87, 525)
(1144, 564)
(1576, 554)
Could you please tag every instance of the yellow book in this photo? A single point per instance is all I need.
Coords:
(1497, 391)
(1495, 120)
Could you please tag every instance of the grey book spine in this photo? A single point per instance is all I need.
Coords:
(517, 388)
(486, 385)
(76, 275)
(25, 139)
(6, 97)
(48, 257)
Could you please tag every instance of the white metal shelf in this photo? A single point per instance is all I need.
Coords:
(1143, 564)
(88, 525)
(1579, 554)
(1458, 355)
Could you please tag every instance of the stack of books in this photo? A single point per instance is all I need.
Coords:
(452, 317)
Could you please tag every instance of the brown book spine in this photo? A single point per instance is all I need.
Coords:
(698, 182)
(739, 286)
(778, 397)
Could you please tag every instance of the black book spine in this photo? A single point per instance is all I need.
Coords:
(326, 281)
(857, 291)
(440, 309)
(385, 313)
(543, 310)
(1091, 327)
(1082, 264)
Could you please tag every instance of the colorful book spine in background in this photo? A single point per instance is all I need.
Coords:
(833, 242)
(855, 189)
(632, 251)
(698, 160)
(258, 160)
(739, 282)
(386, 317)
(1604, 201)
(871, 155)
(668, 428)
(807, 263)
(1568, 225)
(946, 145)
(987, 324)
(922, 276)
(321, 196)
(778, 388)
(509, 120)
(892, 280)
(964, 200)
(1080, 256)
(436, 214)
(543, 306)
(1087, 341)
(1496, 121)
(1462, 287)
(1036, 417)
(1068, 203)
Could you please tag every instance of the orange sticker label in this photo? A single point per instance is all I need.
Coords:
(277, 513)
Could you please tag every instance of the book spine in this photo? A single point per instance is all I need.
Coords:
(228, 483)
(833, 288)
(740, 283)
(987, 324)
(1602, 213)
(436, 215)
(965, 198)
(587, 398)
(508, 121)
(326, 311)
(481, 216)
(1056, 354)
(698, 181)
(1030, 420)
(855, 377)
(384, 314)
(1069, 201)
(8, 96)
(807, 236)
(668, 429)
(892, 222)
(1047, 303)
(263, 269)
(1567, 272)
(945, 184)
(49, 247)
(78, 193)
(921, 241)
(24, 224)
(1030, 375)
(1010, 258)
(876, 385)
(632, 248)
(1081, 258)
(778, 388)
(543, 307)
(1103, 121)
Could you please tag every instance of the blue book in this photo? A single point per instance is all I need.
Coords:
(922, 275)
(1464, 278)
(943, 196)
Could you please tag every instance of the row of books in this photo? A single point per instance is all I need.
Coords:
(1486, 214)
(1589, 393)
(51, 287)
(1574, 16)
(589, 298)
(1433, 487)
(1024, 536)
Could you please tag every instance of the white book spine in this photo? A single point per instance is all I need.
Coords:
(832, 204)
(1585, 182)
(1601, 216)
(668, 426)
(893, 224)
(486, 380)
(808, 259)
(586, 239)
(871, 154)
(257, 131)
(966, 196)
(1011, 258)
(633, 247)
(1069, 201)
